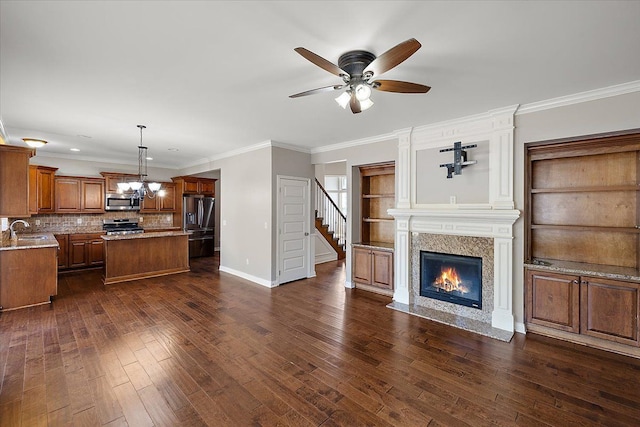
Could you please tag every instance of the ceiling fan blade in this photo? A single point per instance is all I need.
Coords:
(319, 90)
(398, 86)
(321, 62)
(393, 57)
(355, 104)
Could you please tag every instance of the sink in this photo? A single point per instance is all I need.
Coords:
(33, 237)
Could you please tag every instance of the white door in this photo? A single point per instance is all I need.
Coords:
(293, 229)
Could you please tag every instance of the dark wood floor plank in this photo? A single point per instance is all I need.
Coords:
(207, 348)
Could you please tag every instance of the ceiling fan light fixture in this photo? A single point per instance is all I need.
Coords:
(363, 92)
(365, 104)
(343, 100)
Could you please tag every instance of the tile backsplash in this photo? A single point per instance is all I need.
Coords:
(89, 223)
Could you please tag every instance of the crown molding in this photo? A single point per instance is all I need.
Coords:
(354, 143)
(577, 98)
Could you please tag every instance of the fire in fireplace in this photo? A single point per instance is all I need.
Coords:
(452, 278)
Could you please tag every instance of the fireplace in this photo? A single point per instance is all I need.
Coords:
(452, 278)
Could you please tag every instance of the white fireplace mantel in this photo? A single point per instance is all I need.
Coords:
(492, 219)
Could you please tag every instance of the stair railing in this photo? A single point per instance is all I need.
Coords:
(331, 215)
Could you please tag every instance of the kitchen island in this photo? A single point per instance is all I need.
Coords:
(138, 256)
(28, 271)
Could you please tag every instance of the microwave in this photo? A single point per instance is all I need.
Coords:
(121, 202)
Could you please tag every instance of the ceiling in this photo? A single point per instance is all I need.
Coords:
(208, 78)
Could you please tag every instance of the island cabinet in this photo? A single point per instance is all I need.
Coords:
(79, 194)
(14, 180)
(41, 189)
(166, 203)
(85, 250)
(582, 240)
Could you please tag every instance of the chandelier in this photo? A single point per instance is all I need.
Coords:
(140, 188)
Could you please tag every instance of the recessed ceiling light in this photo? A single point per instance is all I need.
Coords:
(173, 149)
(85, 136)
(149, 158)
(74, 149)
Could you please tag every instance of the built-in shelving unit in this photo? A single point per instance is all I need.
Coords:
(583, 240)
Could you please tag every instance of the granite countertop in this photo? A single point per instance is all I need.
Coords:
(144, 235)
(578, 268)
(375, 245)
(30, 241)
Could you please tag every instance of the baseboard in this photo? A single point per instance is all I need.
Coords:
(326, 258)
(249, 277)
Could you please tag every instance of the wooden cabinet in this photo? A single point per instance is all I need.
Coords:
(610, 310)
(166, 203)
(591, 306)
(63, 250)
(79, 195)
(41, 189)
(373, 267)
(14, 180)
(27, 277)
(111, 180)
(194, 185)
(582, 213)
(553, 300)
(85, 250)
(377, 186)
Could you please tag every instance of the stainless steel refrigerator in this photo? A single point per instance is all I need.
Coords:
(198, 221)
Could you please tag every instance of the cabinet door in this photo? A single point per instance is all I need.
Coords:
(168, 202)
(609, 310)
(362, 265)
(92, 196)
(14, 181)
(206, 186)
(149, 204)
(96, 252)
(63, 250)
(77, 253)
(190, 186)
(553, 300)
(46, 191)
(67, 194)
(382, 269)
(33, 190)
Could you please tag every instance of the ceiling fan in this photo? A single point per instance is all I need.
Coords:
(357, 68)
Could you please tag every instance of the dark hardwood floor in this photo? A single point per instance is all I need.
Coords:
(205, 348)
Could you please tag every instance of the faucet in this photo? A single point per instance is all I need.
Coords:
(13, 233)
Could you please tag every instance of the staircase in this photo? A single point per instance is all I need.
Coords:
(330, 221)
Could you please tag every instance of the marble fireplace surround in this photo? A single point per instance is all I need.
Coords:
(487, 227)
(484, 233)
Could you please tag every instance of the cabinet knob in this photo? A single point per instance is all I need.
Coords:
(575, 281)
(584, 282)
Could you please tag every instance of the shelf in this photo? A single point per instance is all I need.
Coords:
(378, 196)
(585, 189)
(631, 230)
(377, 219)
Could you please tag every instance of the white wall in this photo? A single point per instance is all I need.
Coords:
(603, 115)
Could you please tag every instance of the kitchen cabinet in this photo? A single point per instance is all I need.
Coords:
(85, 250)
(41, 189)
(373, 267)
(111, 180)
(194, 185)
(27, 277)
(14, 180)
(166, 203)
(79, 194)
(63, 250)
(587, 305)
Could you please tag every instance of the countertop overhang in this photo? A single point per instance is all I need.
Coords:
(30, 241)
(143, 235)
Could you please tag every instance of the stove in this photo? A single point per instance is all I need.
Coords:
(121, 226)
